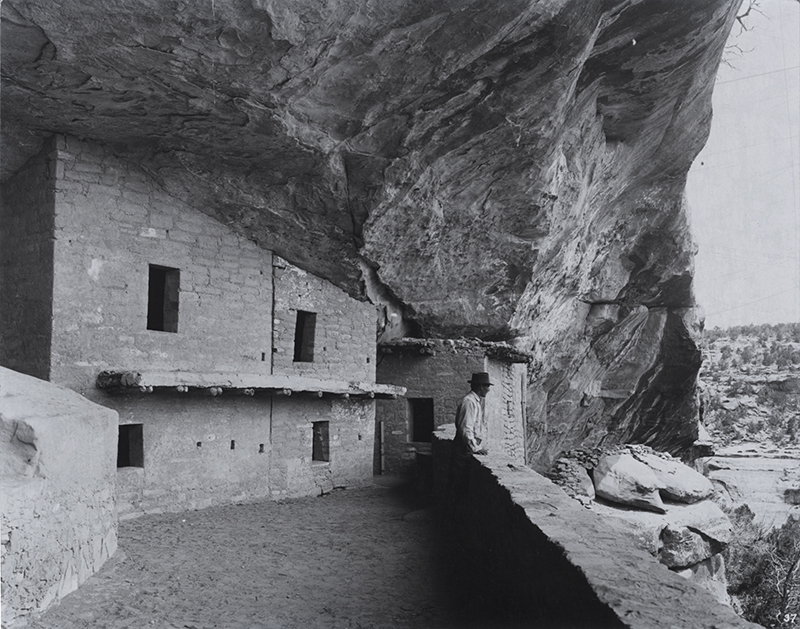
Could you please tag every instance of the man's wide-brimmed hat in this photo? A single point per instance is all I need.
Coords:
(480, 377)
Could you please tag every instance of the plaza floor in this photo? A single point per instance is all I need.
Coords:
(356, 559)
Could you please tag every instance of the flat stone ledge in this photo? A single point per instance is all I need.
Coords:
(215, 383)
(633, 585)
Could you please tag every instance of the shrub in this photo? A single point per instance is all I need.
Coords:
(776, 420)
(763, 570)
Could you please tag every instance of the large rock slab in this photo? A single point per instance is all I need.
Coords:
(684, 535)
(621, 479)
(681, 483)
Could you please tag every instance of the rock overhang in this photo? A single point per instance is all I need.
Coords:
(440, 143)
(502, 171)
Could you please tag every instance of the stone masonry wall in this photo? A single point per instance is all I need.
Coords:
(26, 267)
(344, 346)
(505, 406)
(112, 221)
(189, 462)
(442, 377)
(523, 552)
(198, 451)
(58, 454)
(352, 425)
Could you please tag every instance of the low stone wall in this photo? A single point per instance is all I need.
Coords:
(58, 454)
(522, 551)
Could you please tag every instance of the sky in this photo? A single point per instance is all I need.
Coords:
(744, 187)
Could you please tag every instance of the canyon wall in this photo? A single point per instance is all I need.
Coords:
(510, 171)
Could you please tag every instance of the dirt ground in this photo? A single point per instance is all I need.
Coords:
(355, 558)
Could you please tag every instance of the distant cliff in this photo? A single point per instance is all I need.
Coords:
(750, 382)
(507, 170)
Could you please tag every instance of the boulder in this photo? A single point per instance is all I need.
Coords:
(695, 531)
(643, 528)
(791, 495)
(585, 486)
(681, 483)
(703, 517)
(709, 574)
(621, 479)
(682, 547)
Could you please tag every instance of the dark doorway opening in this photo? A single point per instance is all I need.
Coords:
(320, 448)
(130, 447)
(162, 298)
(420, 419)
(304, 334)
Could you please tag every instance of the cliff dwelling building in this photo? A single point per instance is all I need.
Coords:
(235, 374)
(434, 373)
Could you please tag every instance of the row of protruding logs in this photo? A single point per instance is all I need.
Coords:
(110, 380)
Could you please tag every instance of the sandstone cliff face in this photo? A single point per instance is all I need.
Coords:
(507, 170)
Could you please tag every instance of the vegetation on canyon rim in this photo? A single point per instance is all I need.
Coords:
(749, 377)
(751, 385)
(763, 570)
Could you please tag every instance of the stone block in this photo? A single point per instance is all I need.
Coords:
(135, 197)
(160, 221)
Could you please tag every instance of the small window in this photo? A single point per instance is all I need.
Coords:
(304, 334)
(130, 447)
(162, 298)
(320, 448)
(420, 419)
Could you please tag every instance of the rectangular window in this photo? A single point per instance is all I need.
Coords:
(162, 298)
(320, 448)
(420, 419)
(130, 447)
(304, 333)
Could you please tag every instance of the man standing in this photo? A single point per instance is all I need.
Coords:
(471, 430)
(471, 438)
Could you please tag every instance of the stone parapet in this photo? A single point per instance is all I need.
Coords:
(526, 552)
